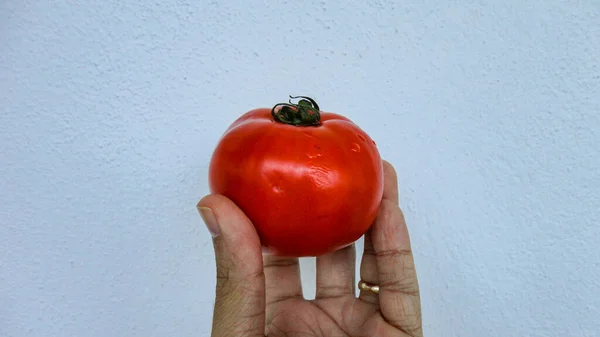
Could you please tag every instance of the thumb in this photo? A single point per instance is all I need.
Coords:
(240, 294)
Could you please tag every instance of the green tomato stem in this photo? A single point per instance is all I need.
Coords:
(304, 113)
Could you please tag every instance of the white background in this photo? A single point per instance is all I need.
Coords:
(109, 111)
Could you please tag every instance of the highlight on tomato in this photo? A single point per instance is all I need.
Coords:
(310, 181)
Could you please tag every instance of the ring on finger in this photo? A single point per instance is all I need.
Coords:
(374, 288)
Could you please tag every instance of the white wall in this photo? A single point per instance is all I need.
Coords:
(110, 111)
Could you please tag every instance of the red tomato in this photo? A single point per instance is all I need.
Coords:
(311, 182)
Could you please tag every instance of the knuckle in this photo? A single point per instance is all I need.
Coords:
(400, 262)
(401, 280)
(333, 291)
(250, 284)
(279, 262)
(407, 286)
(394, 253)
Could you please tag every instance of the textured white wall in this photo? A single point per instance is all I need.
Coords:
(110, 111)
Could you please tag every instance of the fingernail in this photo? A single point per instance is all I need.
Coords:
(210, 221)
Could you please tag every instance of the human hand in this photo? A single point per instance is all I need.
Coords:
(258, 295)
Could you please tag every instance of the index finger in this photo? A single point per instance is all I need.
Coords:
(399, 297)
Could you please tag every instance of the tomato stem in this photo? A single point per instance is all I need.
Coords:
(304, 113)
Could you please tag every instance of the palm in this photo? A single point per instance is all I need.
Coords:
(336, 311)
(324, 317)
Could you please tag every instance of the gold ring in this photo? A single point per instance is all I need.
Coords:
(374, 288)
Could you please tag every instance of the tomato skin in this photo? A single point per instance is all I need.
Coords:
(308, 190)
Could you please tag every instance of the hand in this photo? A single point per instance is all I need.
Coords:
(258, 295)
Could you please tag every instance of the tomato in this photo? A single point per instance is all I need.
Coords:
(310, 181)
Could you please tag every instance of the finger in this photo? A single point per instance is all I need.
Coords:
(390, 183)
(282, 277)
(240, 292)
(368, 264)
(399, 298)
(336, 273)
